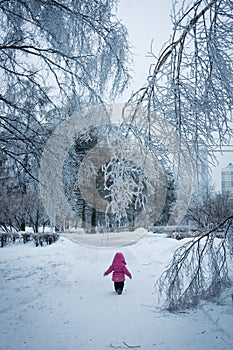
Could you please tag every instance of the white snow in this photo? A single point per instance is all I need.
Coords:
(55, 297)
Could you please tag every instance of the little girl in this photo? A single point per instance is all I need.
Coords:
(119, 271)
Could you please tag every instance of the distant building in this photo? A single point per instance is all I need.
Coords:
(203, 176)
(227, 179)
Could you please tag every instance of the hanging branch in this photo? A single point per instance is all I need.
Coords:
(126, 346)
(191, 82)
(198, 270)
(167, 52)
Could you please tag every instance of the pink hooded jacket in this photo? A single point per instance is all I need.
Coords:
(118, 268)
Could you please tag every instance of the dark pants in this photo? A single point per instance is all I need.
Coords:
(119, 286)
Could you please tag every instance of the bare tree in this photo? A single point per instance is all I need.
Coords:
(55, 53)
(209, 210)
(56, 56)
(20, 203)
(103, 186)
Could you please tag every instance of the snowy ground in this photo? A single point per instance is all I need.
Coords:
(56, 298)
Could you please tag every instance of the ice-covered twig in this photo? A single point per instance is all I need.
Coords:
(131, 346)
(125, 346)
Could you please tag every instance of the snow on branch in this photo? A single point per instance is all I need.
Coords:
(190, 83)
(198, 270)
(124, 346)
(55, 58)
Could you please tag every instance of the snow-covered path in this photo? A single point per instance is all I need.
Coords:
(56, 298)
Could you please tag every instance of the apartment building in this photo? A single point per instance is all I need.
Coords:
(227, 179)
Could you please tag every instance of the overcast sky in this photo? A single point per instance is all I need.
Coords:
(147, 21)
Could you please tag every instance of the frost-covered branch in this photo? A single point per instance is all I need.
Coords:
(191, 82)
(125, 186)
(124, 346)
(56, 54)
(198, 270)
